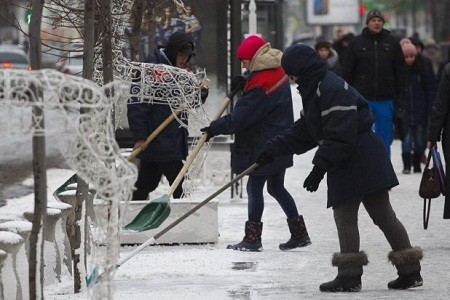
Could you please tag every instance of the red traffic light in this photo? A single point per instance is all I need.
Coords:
(362, 9)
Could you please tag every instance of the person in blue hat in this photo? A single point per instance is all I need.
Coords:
(336, 121)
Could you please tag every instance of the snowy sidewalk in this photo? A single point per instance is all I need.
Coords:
(213, 272)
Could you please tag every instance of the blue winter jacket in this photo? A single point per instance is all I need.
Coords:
(264, 111)
(337, 120)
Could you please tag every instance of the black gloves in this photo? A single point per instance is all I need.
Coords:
(237, 84)
(313, 180)
(264, 158)
(208, 131)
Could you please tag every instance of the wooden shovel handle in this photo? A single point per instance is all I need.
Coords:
(196, 150)
(154, 134)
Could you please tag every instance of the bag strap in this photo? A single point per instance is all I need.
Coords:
(426, 212)
(428, 159)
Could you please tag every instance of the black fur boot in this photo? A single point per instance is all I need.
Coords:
(299, 235)
(407, 262)
(252, 238)
(350, 270)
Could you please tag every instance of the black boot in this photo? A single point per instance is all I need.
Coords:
(407, 262)
(252, 238)
(350, 269)
(406, 163)
(416, 162)
(299, 235)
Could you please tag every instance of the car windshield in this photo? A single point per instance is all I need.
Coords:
(10, 57)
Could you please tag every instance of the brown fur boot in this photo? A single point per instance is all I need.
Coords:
(407, 262)
(350, 270)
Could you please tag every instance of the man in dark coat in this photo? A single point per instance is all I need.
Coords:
(264, 111)
(165, 154)
(336, 119)
(440, 127)
(374, 66)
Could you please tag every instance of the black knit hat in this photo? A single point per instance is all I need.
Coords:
(374, 13)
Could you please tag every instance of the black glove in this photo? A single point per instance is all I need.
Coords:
(208, 131)
(264, 158)
(313, 180)
(237, 84)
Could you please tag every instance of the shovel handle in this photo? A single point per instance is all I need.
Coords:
(201, 204)
(154, 134)
(196, 150)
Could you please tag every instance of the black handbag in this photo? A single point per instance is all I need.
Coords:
(429, 188)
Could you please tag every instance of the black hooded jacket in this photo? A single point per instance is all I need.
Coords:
(337, 119)
(144, 118)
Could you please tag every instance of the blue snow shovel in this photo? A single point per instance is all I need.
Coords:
(95, 277)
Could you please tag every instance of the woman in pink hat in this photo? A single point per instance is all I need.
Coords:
(418, 102)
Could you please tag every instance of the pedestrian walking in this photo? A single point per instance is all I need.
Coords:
(440, 128)
(418, 102)
(263, 111)
(165, 154)
(336, 119)
(375, 67)
(341, 45)
(330, 55)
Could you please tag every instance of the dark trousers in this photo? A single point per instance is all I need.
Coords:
(275, 187)
(380, 211)
(149, 176)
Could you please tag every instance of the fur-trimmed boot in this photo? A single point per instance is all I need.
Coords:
(407, 262)
(350, 270)
(252, 238)
(299, 234)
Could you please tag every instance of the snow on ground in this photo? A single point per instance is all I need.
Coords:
(213, 272)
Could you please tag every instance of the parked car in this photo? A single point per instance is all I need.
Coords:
(13, 57)
(71, 64)
(50, 57)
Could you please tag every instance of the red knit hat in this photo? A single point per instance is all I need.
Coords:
(249, 47)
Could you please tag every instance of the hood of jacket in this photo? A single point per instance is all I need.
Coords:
(176, 41)
(266, 58)
(304, 62)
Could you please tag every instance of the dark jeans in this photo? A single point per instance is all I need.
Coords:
(275, 187)
(150, 173)
(415, 140)
(380, 211)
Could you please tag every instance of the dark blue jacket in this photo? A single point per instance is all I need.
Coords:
(264, 111)
(421, 92)
(144, 118)
(336, 118)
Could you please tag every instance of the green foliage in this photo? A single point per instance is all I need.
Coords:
(395, 5)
